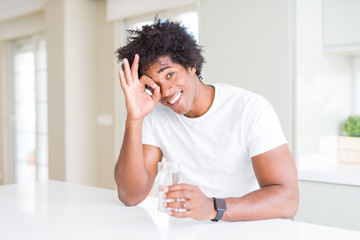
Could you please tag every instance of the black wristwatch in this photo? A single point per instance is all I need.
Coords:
(220, 207)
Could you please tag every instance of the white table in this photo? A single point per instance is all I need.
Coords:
(57, 210)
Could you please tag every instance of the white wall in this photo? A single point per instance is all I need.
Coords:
(323, 81)
(10, 9)
(106, 85)
(3, 109)
(120, 9)
(250, 44)
(72, 60)
(22, 27)
(55, 30)
(80, 91)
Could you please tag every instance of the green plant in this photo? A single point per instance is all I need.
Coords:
(351, 126)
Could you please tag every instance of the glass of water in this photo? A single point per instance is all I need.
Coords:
(168, 174)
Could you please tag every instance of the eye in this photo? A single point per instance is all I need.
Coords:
(169, 75)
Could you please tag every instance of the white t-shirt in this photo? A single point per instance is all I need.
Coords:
(215, 149)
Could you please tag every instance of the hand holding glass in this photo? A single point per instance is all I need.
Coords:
(168, 174)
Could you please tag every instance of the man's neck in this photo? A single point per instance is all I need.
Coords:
(203, 100)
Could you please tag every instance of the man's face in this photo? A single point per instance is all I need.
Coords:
(178, 85)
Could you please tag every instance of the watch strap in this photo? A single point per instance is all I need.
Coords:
(220, 212)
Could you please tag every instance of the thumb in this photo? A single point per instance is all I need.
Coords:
(156, 94)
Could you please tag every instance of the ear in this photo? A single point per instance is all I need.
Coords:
(192, 69)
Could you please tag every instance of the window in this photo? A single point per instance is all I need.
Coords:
(28, 110)
(190, 20)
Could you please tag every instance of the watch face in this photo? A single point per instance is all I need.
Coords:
(220, 204)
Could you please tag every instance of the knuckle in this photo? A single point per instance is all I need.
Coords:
(185, 193)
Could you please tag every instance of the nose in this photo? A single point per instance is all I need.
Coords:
(166, 90)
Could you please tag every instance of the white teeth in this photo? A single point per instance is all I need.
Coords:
(172, 101)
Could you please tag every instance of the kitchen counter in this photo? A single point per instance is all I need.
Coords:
(324, 167)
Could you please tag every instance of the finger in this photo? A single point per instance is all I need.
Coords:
(176, 205)
(127, 70)
(184, 214)
(183, 193)
(156, 96)
(135, 67)
(122, 79)
(148, 81)
(181, 186)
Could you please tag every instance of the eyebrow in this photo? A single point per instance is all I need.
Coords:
(163, 69)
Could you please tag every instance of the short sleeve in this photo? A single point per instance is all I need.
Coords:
(148, 133)
(263, 127)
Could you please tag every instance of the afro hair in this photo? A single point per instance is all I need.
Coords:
(162, 38)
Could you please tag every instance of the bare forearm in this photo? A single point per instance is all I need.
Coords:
(269, 202)
(130, 172)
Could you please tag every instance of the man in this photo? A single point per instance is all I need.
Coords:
(235, 162)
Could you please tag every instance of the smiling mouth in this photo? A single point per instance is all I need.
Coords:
(176, 98)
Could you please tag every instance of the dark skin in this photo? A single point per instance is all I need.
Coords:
(180, 89)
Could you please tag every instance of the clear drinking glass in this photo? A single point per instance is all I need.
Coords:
(168, 174)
